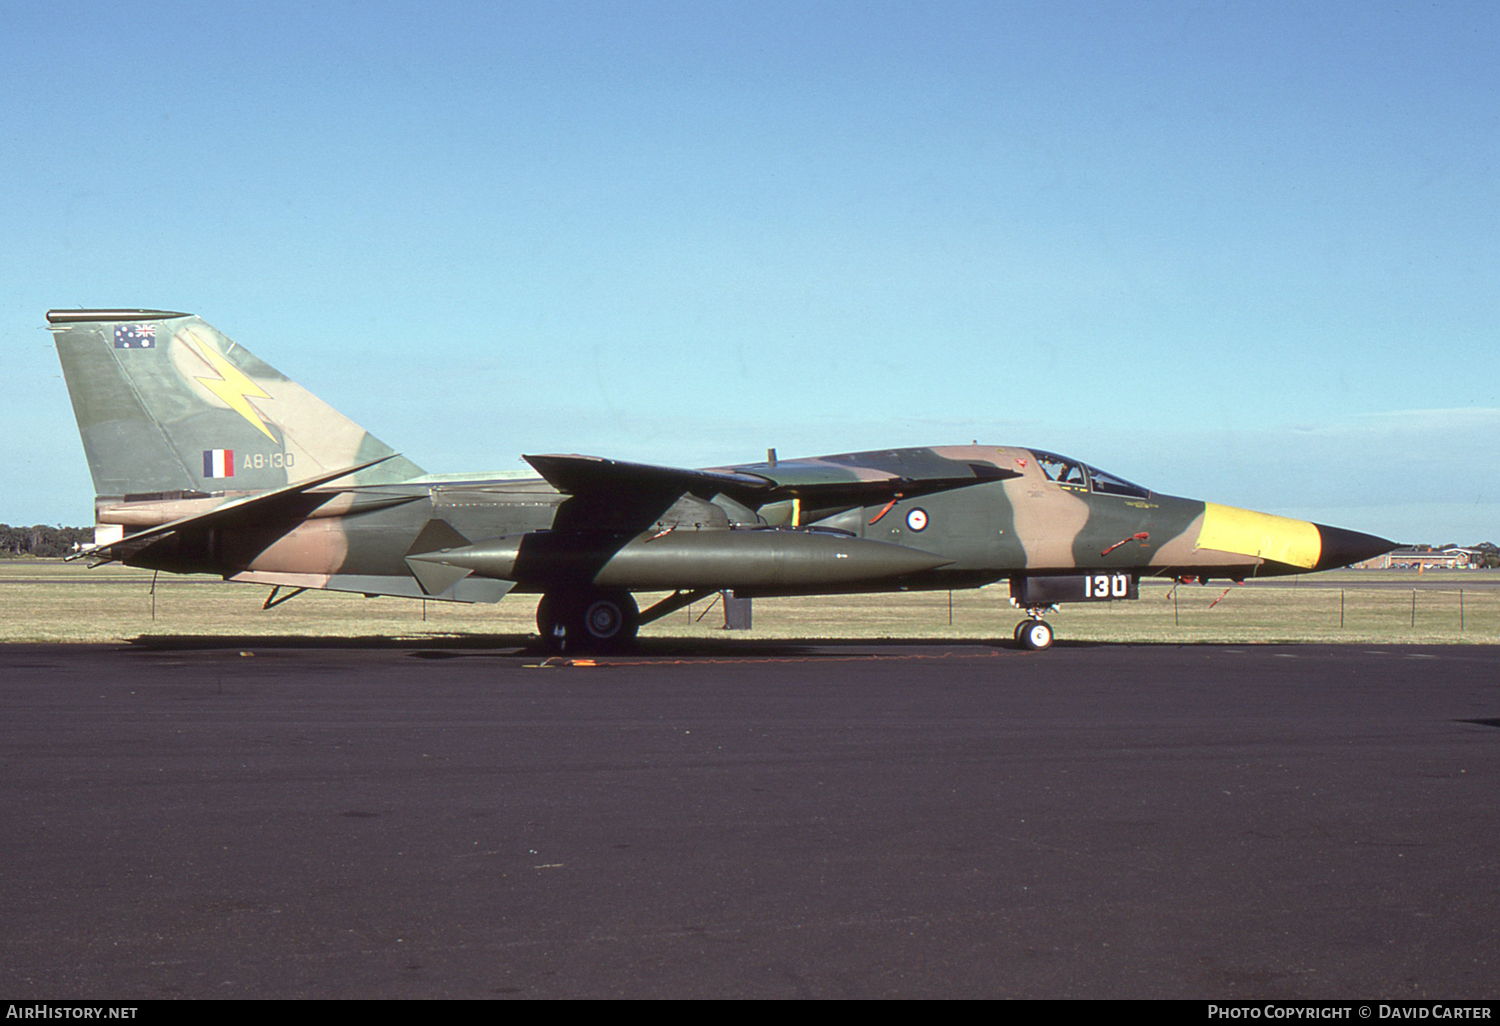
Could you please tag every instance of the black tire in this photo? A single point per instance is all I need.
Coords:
(592, 621)
(608, 620)
(551, 623)
(1037, 635)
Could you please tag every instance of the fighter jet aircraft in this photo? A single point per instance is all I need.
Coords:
(207, 460)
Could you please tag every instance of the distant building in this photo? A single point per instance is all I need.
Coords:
(1421, 559)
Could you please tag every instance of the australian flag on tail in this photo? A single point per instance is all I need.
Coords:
(135, 336)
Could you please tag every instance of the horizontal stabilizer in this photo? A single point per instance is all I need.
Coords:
(247, 509)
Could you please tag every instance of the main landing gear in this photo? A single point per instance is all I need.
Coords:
(588, 621)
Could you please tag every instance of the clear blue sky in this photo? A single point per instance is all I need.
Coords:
(1245, 252)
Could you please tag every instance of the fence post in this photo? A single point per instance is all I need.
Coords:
(1414, 608)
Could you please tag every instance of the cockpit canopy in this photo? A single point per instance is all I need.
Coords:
(1070, 472)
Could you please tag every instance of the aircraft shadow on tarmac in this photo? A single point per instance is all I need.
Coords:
(471, 645)
(528, 645)
(368, 642)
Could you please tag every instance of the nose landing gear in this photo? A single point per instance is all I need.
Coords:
(1034, 634)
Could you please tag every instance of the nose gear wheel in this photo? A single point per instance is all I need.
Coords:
(1034, 635)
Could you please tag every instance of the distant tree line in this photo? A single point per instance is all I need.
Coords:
(42, 540)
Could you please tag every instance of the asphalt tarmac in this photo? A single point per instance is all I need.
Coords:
(749, 820)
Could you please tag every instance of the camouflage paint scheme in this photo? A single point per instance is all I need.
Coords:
(206, 459)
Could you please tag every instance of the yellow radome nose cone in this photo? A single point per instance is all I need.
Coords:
(1247, 533)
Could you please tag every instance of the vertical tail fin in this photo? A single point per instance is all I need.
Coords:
(166, 403)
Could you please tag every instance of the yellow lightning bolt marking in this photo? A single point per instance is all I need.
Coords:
(232, 387)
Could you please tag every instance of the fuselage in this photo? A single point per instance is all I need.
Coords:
(1048, 516)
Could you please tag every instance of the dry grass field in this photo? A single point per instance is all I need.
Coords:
(52, 601)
